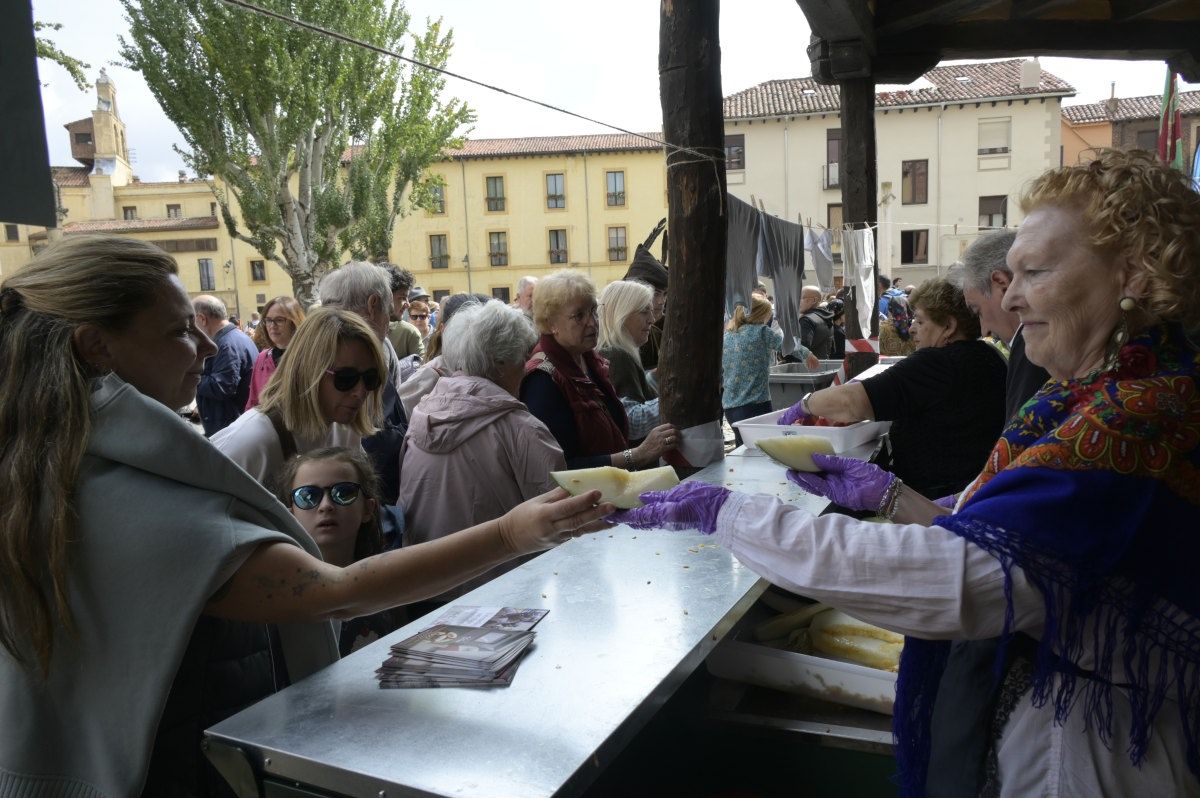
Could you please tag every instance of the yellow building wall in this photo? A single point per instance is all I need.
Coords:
(1078, 140)
(785, 160)
(233, 275)
(527, 221)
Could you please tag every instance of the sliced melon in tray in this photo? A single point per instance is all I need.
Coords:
(616, 485)
(795, 451)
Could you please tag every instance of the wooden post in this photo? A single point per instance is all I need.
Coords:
(859, 176)
(689, 68)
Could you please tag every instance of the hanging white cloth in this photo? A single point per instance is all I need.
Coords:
(819, 243)
(858, 260)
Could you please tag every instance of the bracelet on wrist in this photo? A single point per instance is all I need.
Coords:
(891, 499)
(628, 454)
(804, 403)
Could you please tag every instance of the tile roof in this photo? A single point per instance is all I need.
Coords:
(199, 184)
(555, 145)
(543, 145)
(70, 175)
(954, 83)
(142, 225)
(1129, 108)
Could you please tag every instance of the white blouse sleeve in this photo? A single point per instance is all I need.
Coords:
(912, 579)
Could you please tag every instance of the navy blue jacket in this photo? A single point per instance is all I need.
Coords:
(225, 386)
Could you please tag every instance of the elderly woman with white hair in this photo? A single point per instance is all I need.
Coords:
(566, 383)
(473, 451)
(626, 316)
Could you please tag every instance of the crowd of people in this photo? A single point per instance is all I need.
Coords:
(379, 449)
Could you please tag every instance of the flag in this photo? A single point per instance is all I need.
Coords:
(1170, 124)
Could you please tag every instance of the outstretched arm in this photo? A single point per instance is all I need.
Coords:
(282, 583)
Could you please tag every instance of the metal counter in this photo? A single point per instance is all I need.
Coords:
(632, 614)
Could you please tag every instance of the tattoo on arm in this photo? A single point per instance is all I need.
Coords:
(300, 583)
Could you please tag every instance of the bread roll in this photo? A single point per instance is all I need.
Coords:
(842, 636)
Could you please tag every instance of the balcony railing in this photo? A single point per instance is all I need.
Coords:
(498, 257)
(495, 203)
(616, 198)
(558, 256)
(439, 261)
(616, 253)
(829, 176)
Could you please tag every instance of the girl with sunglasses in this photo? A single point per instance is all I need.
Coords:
(129, 545)
(335, 496)
(326, 393)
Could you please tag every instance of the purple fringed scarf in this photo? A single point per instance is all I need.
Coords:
(1094, 492)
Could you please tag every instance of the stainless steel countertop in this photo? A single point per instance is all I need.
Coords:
(632, 613)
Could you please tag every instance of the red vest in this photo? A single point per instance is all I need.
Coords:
(585, 392)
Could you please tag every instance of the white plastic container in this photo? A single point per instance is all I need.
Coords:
(817, 677)
(841, 438)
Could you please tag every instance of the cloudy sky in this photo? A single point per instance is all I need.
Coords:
(599, 60)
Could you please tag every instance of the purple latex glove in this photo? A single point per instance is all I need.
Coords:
(947, 501)
(792, 415)
(854, 484)
(692, 505)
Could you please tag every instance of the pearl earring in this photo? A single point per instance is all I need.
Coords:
(1128, 303)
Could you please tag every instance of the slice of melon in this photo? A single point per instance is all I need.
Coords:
(616, 485)
(795, 451)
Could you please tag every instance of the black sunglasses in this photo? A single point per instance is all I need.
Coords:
(306, 497)
(345, 379)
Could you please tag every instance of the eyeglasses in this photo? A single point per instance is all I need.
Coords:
(419, 316)
(276, 321)
(578, 318)
(346, 379)
(343, 494)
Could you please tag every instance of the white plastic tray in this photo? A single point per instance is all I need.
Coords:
(841, 438)
(817, 677)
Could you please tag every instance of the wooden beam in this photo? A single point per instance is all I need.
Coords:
(1028, 9)
(903, 67)
(1125, 10)
(689, 68)
(1078, 39)
(1187, 65)
(904, 15)
(859, 172)
(836, 61)
(837, 20)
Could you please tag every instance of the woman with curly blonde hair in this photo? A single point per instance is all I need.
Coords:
(1076, 544)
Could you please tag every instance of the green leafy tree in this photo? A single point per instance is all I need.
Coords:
(49, 50)
(275, 111)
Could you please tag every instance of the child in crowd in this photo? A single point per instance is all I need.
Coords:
(334, 494)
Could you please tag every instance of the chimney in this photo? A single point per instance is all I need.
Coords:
(182, 176)
(1111, 103)
(1031, 74)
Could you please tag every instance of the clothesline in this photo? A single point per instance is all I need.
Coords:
(850, 226)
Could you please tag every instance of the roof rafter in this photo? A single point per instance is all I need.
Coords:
(840, 20)
(1124, 10)
(1075, 38)
(904, 15)
(1026, 9)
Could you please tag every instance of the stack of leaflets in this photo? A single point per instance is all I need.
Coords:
(465, 647)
